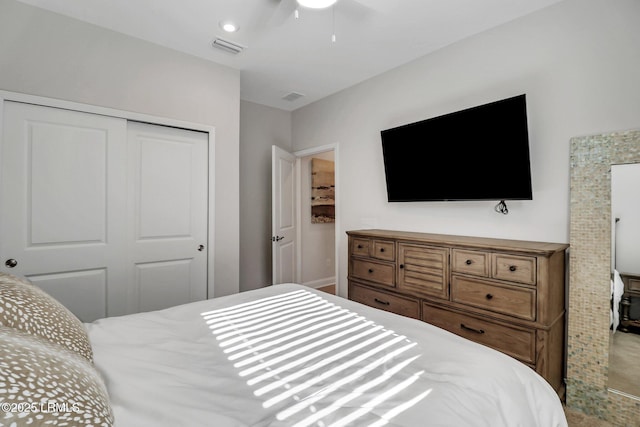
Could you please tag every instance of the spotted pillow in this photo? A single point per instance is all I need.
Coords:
(43, 384)
(26, 307)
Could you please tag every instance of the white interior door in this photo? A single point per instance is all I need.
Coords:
(62, 203)
(283, 191)
(167, 216)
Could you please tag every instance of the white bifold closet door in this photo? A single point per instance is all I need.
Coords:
(108, 216)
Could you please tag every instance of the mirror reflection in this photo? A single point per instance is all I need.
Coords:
(624, 344)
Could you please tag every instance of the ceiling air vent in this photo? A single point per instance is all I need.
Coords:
(227, 46)
(292, 96)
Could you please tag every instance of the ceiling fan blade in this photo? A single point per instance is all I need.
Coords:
(283, 10)
(354, 9)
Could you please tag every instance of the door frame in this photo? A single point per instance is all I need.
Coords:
(304, 153)
(138, 117)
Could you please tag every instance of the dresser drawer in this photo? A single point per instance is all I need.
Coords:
(383, 249)
(510, 300)
(373, 271)
(516, 342)
(634, 285)
(360, 247)
(470, 262)
(514, 268)
(400, 305)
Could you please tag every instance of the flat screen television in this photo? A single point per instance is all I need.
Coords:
(480, 153)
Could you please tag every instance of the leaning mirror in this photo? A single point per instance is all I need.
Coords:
(624, 343)
(591, 386)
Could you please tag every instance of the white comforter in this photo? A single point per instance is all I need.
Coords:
(288, 355)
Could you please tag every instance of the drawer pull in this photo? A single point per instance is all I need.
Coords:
(512, 268)
(477, 331)
(371, 270)
(401, 265)
(489, 296)
(381, 249)
(379, 301)
(359, 246)
(468, 262)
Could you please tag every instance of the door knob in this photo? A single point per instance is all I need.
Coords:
(11, 263)
(201, 248)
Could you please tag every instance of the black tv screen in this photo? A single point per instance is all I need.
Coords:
(481, 153)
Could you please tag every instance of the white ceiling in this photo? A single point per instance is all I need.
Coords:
(284, 54)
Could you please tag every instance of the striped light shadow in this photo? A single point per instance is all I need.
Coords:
(261, 311)
(287, 333)
(346, 320)
(368, 407)
(308, 358)
(250, 307)
(253, 322)
(314, 355)
(317, 339)
(328, 374)
(357, 392)
(274, 326)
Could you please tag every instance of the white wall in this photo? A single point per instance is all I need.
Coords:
(318, 240)
(46, 54)
(577, 62)
(625, 204)
(260, 128)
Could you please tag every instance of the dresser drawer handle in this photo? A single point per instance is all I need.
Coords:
(401, 265)
(379, 301)
(381, 249)
(359, 246)
(468, 262)
(512, 268)
(477, 331)
(370, 270)
(489, 296)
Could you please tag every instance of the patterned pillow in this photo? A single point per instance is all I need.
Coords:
(44, 384)
(27, 308)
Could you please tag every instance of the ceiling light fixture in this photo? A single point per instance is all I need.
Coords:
(229, 26)
(316, 4)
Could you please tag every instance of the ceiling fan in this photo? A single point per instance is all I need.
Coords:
(316, 4)
(284, 9)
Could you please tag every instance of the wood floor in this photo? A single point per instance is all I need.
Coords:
(624, 369)
(578, 419)
(330, 289)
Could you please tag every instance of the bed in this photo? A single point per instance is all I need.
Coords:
(288, 355)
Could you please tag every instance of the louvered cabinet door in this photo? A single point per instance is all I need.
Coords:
(423, 271)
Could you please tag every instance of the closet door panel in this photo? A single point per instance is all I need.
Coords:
(168, 170)
(62, 202)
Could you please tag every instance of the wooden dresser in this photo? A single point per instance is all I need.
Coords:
(506, 294)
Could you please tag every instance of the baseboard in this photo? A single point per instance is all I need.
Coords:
(315, 284)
